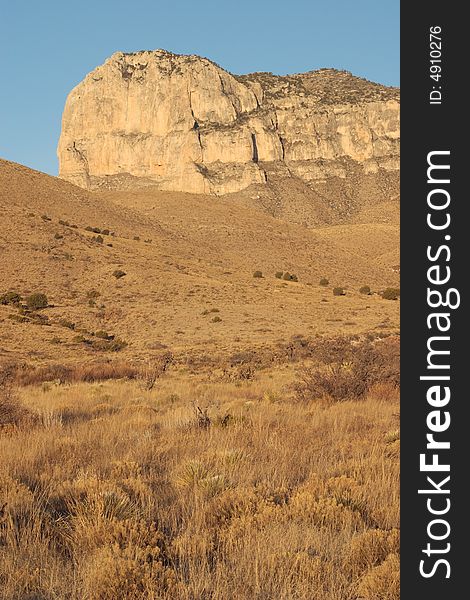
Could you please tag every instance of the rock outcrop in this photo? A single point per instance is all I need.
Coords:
(183, 123)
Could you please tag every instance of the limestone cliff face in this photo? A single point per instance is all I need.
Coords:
(183, 123)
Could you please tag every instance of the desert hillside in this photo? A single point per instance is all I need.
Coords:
(189, 262)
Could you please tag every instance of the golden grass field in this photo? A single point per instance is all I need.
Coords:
(189, 431)
(120, 492)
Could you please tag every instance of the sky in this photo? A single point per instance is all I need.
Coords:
(49, 46)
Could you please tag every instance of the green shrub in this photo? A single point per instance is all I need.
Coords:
(109, 345)
(66, 323)
(391, 293)
(10, 298)
(118, 273)
(279, 274)
(365, 289)
(37, 301)
(79, 339)
(39, 319)
(338, 291)
(104, 335)
(18, 318)
(105, 232)
(324, 281)
(258, 274)
(98, 239)
(216, 319)
(288, 277)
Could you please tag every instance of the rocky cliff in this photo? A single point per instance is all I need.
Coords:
(183, 123)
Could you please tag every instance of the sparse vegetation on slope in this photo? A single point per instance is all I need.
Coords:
(177, 433)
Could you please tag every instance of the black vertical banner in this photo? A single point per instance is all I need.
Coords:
(435, 271)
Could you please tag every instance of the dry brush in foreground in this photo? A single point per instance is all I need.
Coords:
(116, 491)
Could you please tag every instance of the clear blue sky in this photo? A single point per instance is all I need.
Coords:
(48, 46)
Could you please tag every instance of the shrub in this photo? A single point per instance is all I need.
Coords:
(155, 369)
(98, 239)
(46, 218)
(338, 291)
(112, 345)
(337, 382)
(58, 236)
(18, 318)
(37, 301)
(289, 277)
(39, 319)
(65, 223)
(359, 368)
(104, 335)
(324, 281)
(12, 412)
(279, 274)
(137, 238)
(93, 294)
(391, 293)
(216, 319)
(118, 273)
(201, 418)
(10, 298)
(258, 274)
(105, 232)
(365, 289)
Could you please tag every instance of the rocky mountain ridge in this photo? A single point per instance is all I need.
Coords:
(183, 123)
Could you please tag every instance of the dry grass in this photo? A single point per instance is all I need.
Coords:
(183, 466)
(117, 492)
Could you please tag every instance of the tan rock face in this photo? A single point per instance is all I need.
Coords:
(183, 123)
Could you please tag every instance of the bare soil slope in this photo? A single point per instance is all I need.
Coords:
(183, 256)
